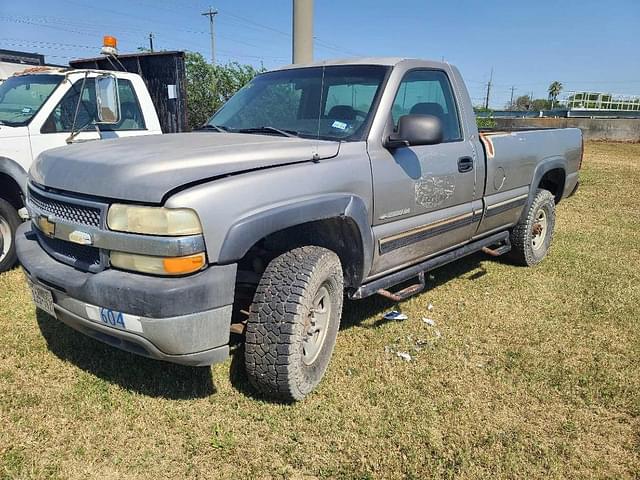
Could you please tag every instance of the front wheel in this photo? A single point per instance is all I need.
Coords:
(293, 322)
(9, 222)
(532, 235)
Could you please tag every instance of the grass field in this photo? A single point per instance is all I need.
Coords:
(527, 373)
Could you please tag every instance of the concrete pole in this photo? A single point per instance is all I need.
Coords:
(211, 14)
(302, 31)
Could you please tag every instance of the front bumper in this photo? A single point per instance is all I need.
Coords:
(181, 320)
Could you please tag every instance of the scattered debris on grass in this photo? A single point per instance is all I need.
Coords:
(430, 307)
(429, 321)
(404, 356)
(395, 315)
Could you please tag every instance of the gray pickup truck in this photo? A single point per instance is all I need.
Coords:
(313, 181)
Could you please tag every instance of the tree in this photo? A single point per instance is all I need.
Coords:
(523, 103)
(209, 86)
(554, 90)
(541, 104)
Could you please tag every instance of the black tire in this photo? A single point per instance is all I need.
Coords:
(532, 235)
(283, 358)
(9, 222)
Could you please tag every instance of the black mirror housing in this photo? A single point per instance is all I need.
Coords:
(416, 130)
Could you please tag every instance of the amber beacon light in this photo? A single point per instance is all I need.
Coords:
(109, 45)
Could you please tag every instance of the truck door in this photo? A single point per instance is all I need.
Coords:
(423, 195)
(57, 126)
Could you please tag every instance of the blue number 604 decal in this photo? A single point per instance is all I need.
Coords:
(111, 317)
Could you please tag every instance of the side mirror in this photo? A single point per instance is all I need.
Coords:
(416, 130)
(107, 99)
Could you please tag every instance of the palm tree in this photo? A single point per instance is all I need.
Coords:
(554, 90)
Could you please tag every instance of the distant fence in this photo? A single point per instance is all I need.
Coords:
(614, 129)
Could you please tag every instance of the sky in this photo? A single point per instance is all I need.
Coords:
(586, 45)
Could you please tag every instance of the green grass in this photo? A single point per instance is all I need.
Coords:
(527, 373)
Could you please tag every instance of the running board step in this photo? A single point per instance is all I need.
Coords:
(501, 250)
(405, 292)
(382, 284)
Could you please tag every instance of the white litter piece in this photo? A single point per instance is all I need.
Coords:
(428, 321)
(430, 307)
(438, 334)
(395, 315)
(404, 356)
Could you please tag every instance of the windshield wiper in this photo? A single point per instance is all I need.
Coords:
(217, 128)
(284, 133)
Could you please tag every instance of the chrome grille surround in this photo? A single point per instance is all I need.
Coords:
(57, 207)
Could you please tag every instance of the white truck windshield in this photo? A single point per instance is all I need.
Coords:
(21, 96)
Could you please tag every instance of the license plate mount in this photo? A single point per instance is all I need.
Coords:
(43, 299)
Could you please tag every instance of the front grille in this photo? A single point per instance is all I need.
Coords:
(82, 257)
(73, 211)
(84, 215)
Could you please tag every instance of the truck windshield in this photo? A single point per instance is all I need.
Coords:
(21, 97)
(331, 103)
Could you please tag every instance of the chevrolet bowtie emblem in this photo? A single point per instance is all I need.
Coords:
(81, 238)
(47, 226)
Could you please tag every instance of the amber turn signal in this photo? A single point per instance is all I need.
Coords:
(182, 265)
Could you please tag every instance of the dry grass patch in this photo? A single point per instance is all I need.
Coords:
(527, 373)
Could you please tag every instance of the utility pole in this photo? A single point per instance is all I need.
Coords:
(511, 102)
(151, 41)
(302, 47)
(212, 13)
(530, 101)
(486, 100)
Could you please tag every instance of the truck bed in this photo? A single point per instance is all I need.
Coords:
(512, 158)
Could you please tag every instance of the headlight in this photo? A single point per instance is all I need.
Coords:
(153, 220)
(158, 265)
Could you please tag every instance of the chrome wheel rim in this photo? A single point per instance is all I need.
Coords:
(5, 238)
(316, 326)
(539, 230)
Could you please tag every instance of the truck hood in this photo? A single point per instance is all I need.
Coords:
(7, 131)
(145, 169)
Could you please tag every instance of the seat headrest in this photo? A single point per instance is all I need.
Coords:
(342, 112)
(428, 108)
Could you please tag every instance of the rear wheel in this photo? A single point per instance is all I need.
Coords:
(293, 322)
(531, 237)
(9, 222)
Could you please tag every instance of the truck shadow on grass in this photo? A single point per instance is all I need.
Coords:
(356, 311)
(133, 372)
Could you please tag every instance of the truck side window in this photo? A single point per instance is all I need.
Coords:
(61, 118)
(428, 92)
